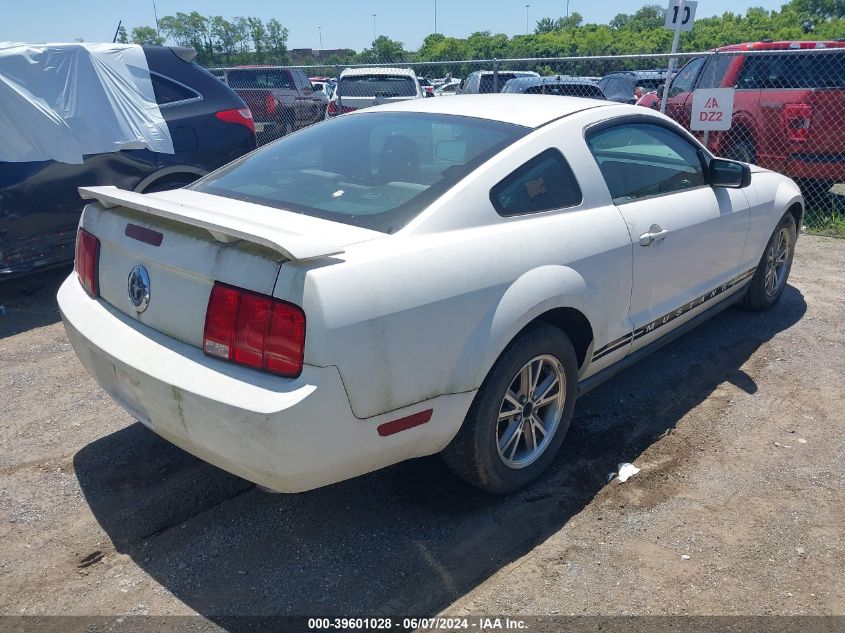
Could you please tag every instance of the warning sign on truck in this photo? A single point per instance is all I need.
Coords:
(712, 109)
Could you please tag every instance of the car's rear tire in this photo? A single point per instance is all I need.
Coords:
(514, 429)
(772, 272)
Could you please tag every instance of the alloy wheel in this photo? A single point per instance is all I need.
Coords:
(530, 411)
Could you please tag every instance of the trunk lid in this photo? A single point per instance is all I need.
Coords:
(187, 240)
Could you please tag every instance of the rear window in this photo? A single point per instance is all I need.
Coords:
(486, 85)
(259, 78)
(377, 86)
(785, 71)
(375, 170)
(566, 90)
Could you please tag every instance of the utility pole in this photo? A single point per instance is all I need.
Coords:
(672, 59)
(374, 27)
(527, 6)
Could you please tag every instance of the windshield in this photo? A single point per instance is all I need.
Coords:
(375, 170)
(377, 86)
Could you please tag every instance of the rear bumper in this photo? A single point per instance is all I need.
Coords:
(289, 435)
(818, 166)
(36, 252)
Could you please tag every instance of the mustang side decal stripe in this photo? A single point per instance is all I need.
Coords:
(670, 316)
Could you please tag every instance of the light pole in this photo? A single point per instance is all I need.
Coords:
(435, 16)
(527, 6)
(374, 27)
(320, 31)
(567, 8)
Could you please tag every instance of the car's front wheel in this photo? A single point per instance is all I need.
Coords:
(769, 279)
(520, 414)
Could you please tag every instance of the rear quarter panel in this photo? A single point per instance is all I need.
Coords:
(427, 311)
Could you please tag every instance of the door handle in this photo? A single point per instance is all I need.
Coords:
(654, 234)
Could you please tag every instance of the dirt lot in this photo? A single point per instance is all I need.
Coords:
(738, 428)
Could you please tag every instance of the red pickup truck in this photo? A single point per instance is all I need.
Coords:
(788, 113)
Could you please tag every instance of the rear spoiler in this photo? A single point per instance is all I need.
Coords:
(223, 227)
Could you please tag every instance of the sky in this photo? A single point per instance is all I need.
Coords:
(344, 23)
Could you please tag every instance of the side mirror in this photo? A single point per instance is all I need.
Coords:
(729, 173)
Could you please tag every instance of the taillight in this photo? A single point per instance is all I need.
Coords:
(255, 330)
(87, 262)
(241, 116)
(270, 104)
(797, 118)
(333, 110)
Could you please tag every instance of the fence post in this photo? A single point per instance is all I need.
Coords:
(495, 76)
(675, 40)
(337, 90)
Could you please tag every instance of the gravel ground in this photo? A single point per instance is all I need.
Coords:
(738, 509)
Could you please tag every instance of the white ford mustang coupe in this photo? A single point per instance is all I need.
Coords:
(436, 275)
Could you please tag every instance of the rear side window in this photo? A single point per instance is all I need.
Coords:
(639, 160)
(543, 183)
(167, 91)
(377, 86)
(797, 70)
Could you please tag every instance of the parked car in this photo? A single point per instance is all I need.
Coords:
(788, 112)
(282, 100)
(434, 275)
(626, 86)
(364, 87)
(447, 89)
(39, 202)
(486, 81)
(558, 86)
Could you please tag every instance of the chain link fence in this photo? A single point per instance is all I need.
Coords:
(788, 110)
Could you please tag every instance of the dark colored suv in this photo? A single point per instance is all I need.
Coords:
(39, 201)
(788, 111)
(282, 100)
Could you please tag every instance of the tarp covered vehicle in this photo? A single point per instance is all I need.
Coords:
(71, 115)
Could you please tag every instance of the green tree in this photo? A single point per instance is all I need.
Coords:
(383, 51)
(277, 40)
(146, 36)
(121, 37)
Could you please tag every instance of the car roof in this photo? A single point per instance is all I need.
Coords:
(377, 70)
(783, 45)
(520, 109)
(518, 73)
